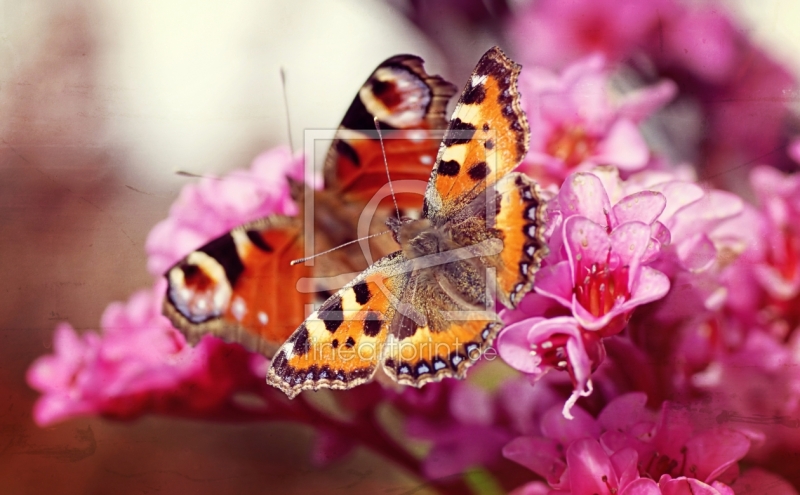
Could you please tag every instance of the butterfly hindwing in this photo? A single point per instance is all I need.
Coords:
(241, 287)
(487, 137)
(410, 106)
(445, 341)
(339, 345)
(520, 217)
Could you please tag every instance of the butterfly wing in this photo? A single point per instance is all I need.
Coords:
(339, 346)
(520, 218)
(444, 343)
(487, 137)
(410, 106)
(241, 287)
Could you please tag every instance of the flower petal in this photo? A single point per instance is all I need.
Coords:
(697, 253)
(583, 194)
(540, 455)
(623, 412)
(712, 452)
(642, 486)
(514, 347)
(643, 206)
(590, 469)
(556, 282)
(650, 286)
(586, 241)
(554, 425)
(623, 146)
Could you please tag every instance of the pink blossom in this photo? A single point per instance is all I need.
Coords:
(576, 123)
(794, 150)
(704, 41)
(603, 278)
(553, 33)
(214, 206)
(138, 363)
(462, 425)
(779, 195)
(538, 345)
(627, 447)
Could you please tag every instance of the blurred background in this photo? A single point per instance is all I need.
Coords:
(101, 102)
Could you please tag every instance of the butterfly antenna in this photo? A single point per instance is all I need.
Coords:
(386, 165)
(301, 260)
(286, 108)
(184, 173)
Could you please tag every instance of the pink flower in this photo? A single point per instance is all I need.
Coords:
(214, 206)
(576, 124)
(603, 280)
(627, 447)
(726, 81)
(794, 150)
(462, 423)
(779, 195)
(138, 363)
(537, 345)
(600, 249)
(704, 42)
(553, 33)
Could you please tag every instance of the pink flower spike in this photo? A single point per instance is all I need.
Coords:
(138, 364)
(60, 375)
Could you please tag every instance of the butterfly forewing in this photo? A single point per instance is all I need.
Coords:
(339, 346)
(487, 137)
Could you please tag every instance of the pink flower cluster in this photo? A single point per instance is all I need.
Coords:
(629, 450)
(614, 247)
(723, 79)
(578, 122)
(139, 364)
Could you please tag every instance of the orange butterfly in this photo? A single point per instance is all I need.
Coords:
(427, 311)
